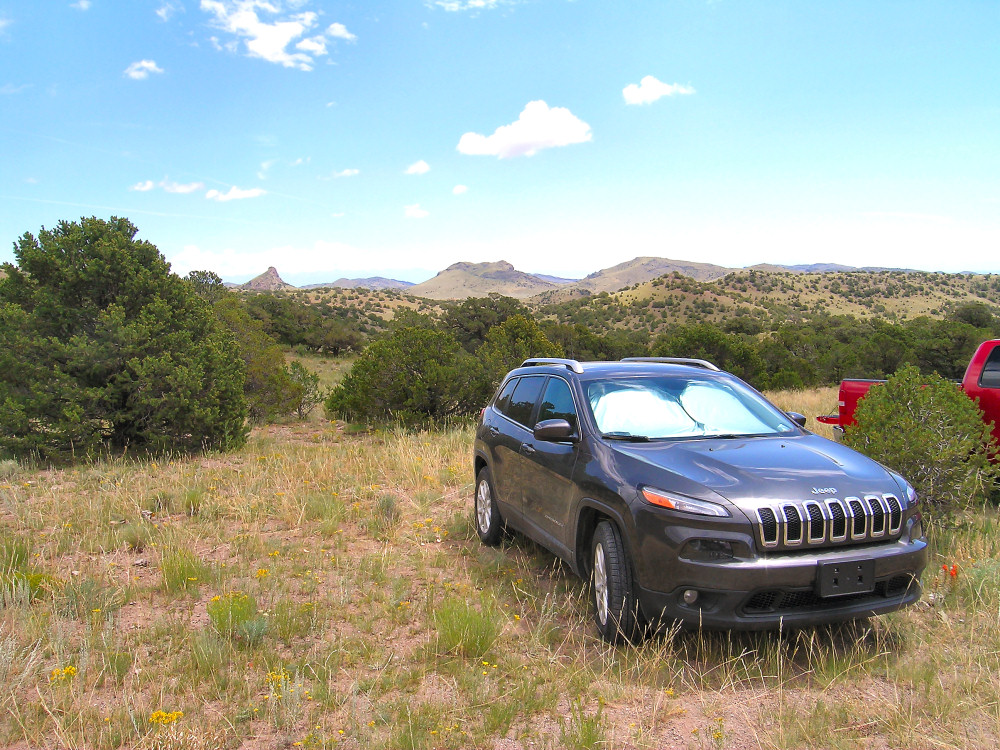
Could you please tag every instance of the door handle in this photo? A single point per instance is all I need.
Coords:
(528, 449)
(493, 430)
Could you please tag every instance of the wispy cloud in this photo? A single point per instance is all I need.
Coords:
(418, 167)
(265, 167)
(347, 173)
(649, 89)
(81, 5)
(459, 190)
(143, 187)
(415, 212)
(460, 5)
(182, 188)
(139, 71)
(234, 193)
(272, 33)
(166, 11)
(538, 127)
(10, 88)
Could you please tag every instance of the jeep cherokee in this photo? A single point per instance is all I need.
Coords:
(683, 495)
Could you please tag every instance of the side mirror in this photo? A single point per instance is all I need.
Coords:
(799, 419)
(554, 431)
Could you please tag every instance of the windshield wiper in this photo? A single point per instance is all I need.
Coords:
(626, 436)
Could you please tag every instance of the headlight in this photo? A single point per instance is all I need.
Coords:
(911, 495)
(685, 504)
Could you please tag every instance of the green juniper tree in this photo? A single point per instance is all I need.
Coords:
(101, 346)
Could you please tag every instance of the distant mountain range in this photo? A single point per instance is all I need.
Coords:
(462, 280)
(271, 281)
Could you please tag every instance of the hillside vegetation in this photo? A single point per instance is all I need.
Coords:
(776, 297)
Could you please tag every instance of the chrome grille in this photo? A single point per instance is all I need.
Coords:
(859, 518)
(816, 522)
(838, 521)
(768, 526)
(878, 515)
(793, 524)
(895, 513)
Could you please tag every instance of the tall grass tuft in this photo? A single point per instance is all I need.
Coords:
(464, 630)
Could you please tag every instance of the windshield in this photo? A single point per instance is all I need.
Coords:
(681, 407)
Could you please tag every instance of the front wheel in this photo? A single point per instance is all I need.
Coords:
(489, 524)
(616, 609)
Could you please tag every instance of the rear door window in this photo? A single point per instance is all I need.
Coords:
(523, 400)
(502, 404)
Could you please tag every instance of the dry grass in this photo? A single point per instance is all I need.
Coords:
(378, 620)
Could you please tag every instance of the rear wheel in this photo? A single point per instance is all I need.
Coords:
(489, 524)
(616, 609)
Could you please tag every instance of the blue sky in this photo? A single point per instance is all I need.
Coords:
(394, 138)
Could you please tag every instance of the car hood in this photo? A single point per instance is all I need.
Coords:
(756, 470)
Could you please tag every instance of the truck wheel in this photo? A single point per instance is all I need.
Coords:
(616, 609)
(489, 524)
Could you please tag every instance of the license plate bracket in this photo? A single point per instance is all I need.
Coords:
(845, 577)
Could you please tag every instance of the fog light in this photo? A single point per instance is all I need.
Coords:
(690, 596)
(708, 550)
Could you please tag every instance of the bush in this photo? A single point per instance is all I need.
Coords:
(927, 430)
(270, 389)
(308, 381)
(414, 375)
(510, 343)
(101, 346)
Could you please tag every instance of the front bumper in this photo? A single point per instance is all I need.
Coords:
(782, 590)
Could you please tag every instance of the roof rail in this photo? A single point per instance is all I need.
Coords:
(675, 361)
(570, 364)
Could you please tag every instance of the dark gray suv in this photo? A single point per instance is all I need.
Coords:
(683, 495)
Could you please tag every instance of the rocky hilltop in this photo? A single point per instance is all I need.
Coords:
(269, 281)
(461, 280)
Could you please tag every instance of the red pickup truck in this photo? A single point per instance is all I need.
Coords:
(981, 382)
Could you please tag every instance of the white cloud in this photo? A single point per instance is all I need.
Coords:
(419, 167)
(457, 5)
(538, 127)
(649, 89)
(268, 30)
(182, 188)
(10, 88)
(166, 11)
(4, 23)
(265, 167)
(234, 193)
(339, 31)
(81, 5)
(139, 71)
(314, 45)
(347, 173)
(143, 187)
(459, 190)
(415, 212)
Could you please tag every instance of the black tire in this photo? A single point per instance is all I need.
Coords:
(616, 609)
(488, 521)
